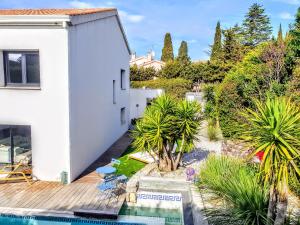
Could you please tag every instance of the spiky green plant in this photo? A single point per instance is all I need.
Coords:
(234, 181)
(167, 130)
(274, 127)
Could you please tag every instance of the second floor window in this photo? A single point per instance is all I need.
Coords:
(22, 68)
(123, 80)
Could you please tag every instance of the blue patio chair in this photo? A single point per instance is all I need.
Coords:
(118, 178)
(115, 161)
(107, 186)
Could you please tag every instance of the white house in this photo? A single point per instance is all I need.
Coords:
(140, 98)
(64, 87)
(146, 61)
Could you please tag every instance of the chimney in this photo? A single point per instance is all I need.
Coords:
(150, 56)
(133, 56)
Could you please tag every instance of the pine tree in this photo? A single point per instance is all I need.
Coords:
(183, 56)
(167, 51)
(216, 48)
(232, 48)
(280, 36)
(256, 26)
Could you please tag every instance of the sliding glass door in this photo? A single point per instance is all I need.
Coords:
(15, 144)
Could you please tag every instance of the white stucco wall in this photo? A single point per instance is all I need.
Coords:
(97, 55)
(138, 100)
(45, 110)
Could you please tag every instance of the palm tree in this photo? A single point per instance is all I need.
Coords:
(274, 128)
(167, 130)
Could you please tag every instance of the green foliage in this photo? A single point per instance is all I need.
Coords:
(167, 51)
(216, 48)
(183, 56)
(232, 48)
(256, 26)
(174, 87)
(274, 127)
(280, 35)
(210, 110)
(229, 178)
(245, 81)
(165, 124)
(294, 85)
(295, 35)
(172, 69)
(140, 73)
(212, 130)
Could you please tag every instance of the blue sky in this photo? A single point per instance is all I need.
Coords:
(146, 21)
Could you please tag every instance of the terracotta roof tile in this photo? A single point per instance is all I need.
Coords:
(70, 12)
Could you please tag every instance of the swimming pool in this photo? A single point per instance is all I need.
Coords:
(41, 220)
(151, 216)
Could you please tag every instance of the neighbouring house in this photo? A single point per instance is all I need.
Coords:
(64, 87)
(140, 98)
(146, 61)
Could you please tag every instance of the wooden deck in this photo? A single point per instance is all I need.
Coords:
(80, 197)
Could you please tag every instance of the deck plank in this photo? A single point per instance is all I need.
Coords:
(81, 196)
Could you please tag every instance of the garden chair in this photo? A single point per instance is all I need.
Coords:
(115, 162)
(17, 172)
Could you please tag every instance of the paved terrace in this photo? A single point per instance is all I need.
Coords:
(80, 197)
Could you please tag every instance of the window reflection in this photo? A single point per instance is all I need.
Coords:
(17, 138)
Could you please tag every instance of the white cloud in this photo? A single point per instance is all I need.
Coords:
(134, 18)
(291, 2)
(192, 41)
(80, 4)
(286, 16)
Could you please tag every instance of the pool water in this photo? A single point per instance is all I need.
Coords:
(15, 220)
(169, 216)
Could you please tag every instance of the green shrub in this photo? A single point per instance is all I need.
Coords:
(172, 69)
(140, 73)
(243, 83)
(246, 202)
(212, 130)
(175, 87)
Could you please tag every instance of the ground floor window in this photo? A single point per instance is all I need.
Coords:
(123, 115)
(15, 144)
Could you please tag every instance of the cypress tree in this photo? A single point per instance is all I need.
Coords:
(216, 48)
(280, 36)
(294, 36)
(167, 51)
(232, 48)
(183, 56)
(256, 26)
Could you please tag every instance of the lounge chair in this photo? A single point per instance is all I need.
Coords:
(16, 173)
(105, 186)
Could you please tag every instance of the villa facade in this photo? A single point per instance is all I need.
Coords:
(64, 88)
(146, 61)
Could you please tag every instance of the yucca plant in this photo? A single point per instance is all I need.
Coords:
(234, 181)
(274, 128)
(167, 129)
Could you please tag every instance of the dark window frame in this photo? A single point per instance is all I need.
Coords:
(122, 80)
(23, 69)
(123, 114)
(114, 92)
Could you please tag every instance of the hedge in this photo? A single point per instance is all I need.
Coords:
(176, 87)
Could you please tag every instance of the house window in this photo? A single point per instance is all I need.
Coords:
(123, 80)
(123, 115)
(15, 144)
(22, 68)
(114, 92)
